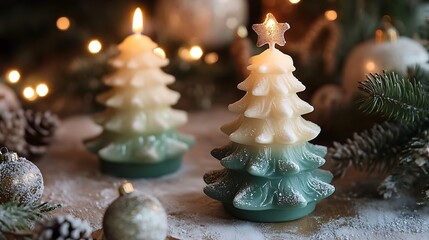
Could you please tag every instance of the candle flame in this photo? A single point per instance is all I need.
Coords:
(138, 21)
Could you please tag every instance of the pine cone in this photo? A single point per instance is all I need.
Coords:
(12, 131)
(39, 131)
(64, 227)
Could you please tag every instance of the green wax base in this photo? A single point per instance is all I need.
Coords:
(271, 215)
(140, 170)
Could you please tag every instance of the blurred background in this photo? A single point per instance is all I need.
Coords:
(53, 54)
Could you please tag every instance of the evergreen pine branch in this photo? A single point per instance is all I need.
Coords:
(417, 73)
(424, 31)
(373, 150)
(394, 97)
(412, 172)
(424, 194)
(16, 217)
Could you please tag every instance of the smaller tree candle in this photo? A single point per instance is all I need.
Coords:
(139, 137)
(270, 170)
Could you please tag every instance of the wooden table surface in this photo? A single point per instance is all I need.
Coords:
(354, 211)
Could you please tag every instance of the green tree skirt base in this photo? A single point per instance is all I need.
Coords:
(140, 170)
(272, 215)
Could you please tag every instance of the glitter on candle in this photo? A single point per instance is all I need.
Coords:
(13, 76)
(42, 90)
(271, 32)
(94, 46)
(63, 23)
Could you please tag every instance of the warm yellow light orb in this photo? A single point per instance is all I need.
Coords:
(242, 32)
(294, 1)
(370, 66)
(160, 52)
(196, 52)
(63, 23)
(94, 46)
(29, 94)
(42, 90)
(211, 58)
(13, 76)
(331, 15)
(138, 21)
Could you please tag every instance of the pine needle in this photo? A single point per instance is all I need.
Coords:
(16, 217)
(412, 172)
(417, 73)
(375, 150)
(394, 97)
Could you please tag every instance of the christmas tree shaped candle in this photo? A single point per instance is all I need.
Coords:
(139, 137)
(271, 170)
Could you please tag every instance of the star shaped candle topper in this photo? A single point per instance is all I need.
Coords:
(271, 32)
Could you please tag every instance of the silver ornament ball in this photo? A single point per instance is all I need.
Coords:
(135, 216)
(20, 179)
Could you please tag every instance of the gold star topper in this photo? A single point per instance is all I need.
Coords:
(271, 32)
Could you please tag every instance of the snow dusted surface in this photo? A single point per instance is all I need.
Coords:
(72, 178)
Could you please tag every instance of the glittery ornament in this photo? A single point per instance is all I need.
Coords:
(19, 178)
(134, 216)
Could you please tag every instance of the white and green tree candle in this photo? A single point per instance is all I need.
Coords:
(271, 170)
(139, 137)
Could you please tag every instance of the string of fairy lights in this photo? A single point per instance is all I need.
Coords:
(94, 46)
(41, 89)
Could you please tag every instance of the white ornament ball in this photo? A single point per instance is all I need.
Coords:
(372, 57)
(135, 216)
(209, 23)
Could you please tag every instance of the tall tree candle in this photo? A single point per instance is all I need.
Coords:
(271, 170)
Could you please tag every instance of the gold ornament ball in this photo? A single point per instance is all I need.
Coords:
(19, 178)
(374, 57)
(134, 216)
